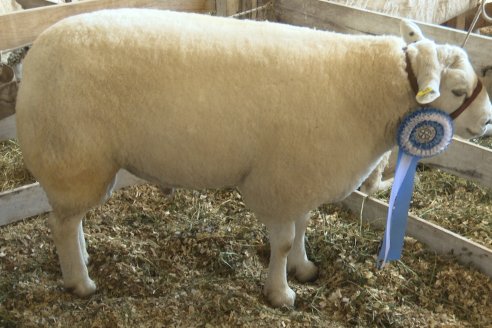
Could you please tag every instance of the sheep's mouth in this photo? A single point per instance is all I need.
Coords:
(474, 134)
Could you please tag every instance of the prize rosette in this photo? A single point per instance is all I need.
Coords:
(425, 133)
(422, 133)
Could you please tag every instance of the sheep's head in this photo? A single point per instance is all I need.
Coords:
(446, 79)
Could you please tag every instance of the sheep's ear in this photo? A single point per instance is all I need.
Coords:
(410, 32)
(427, 69)
(428, 94)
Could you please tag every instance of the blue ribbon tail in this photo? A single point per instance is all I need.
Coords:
(396, 222)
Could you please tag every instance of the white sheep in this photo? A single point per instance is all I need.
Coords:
(8, 6)
(8, 91)
(292, 117)
(488, 86)
(8, 80)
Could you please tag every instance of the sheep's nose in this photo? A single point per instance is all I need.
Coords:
(488, 122)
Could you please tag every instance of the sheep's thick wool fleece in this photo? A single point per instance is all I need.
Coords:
(197, 101)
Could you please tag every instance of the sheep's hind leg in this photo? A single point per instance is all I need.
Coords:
(276, 287)
(83, 246)
(68, 237)
(297, 261)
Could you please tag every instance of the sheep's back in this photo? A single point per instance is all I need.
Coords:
(181, 87)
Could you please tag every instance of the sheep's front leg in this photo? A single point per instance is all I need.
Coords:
(374, 182)
(276, 288)
(297, 261)
(67, 237)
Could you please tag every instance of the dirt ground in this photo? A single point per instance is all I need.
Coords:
(198, 259)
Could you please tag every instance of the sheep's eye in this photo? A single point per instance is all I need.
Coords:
(459, 93)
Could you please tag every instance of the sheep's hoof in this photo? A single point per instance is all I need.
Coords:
(83, 288)
(307, 273)
(280, 298)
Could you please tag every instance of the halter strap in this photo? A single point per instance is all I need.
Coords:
(468, 101)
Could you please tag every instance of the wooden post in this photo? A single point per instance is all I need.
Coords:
(254, 4)
(30, 200)
(227, 7)
(461, 21)
(436, 238)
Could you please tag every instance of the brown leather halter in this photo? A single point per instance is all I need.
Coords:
(464, 105)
